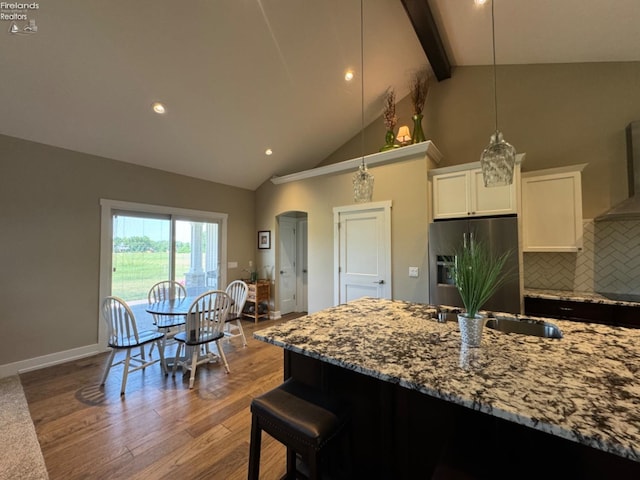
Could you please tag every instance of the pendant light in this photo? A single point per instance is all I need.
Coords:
(498, 159)
(362, 179)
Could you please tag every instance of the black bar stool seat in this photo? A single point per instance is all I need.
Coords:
(299, 417)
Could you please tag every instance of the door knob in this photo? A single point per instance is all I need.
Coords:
(380, 282)
(281, 272)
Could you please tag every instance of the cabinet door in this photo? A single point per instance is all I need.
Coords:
(552, 212)
(627, 316)
(492, 200)
(568, 310)
(451, 195)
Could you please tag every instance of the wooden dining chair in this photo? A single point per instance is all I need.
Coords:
(238, 291)
(169, 324)
(123, 334)
(205, 325)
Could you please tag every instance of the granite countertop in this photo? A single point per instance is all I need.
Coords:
(584, 387)
(573, 296)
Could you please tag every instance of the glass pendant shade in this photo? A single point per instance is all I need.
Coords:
(497, 162)
(362, 185)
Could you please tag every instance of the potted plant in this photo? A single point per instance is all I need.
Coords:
(478, 273)
(418, 89)
(390, 119)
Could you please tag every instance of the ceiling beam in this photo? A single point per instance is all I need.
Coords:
(425, 27)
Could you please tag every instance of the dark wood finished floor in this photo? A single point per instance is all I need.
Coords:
(160, 428)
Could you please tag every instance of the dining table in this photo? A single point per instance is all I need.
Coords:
(172, 307)
(173, 313)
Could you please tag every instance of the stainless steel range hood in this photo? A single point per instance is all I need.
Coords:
(630, 208)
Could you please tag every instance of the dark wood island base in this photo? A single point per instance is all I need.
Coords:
(399, 433)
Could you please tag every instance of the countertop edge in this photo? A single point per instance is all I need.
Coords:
(567, 295)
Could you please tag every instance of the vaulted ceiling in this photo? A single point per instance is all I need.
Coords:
(240, 76)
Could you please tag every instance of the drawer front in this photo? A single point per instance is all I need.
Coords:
(258, 292)
(627, 316)
(566, 310)
(251, 292)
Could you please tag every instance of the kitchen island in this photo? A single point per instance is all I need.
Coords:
(517, 405)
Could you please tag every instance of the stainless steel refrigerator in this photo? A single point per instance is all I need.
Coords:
(500, 234)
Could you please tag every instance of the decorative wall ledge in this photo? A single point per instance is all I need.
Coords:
(381, 158)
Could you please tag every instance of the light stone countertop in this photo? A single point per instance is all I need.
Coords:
(584, 387)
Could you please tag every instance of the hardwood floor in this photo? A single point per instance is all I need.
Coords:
(160, 428)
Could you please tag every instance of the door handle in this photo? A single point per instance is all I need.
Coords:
(281, 272)
(380, 282)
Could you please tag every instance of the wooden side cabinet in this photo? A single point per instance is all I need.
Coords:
(259, 293)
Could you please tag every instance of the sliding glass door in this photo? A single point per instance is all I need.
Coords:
(146, 244)
(141, 254)
(197, 255)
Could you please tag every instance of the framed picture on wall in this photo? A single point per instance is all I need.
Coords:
(264, 239)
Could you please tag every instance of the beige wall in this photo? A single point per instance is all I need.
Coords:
(403, 183)
(50, 223)
(556, 114)
(559, 114)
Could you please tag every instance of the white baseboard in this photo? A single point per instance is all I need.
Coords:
(37, 363)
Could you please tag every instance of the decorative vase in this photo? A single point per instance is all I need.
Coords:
(388, 141)
(471, 329)
(418, 134)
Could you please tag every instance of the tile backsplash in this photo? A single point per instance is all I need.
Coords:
(608, 262)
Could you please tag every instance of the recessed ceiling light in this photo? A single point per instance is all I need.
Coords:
(348, 76)
(479, 2)
(268, 151)
(159, 108)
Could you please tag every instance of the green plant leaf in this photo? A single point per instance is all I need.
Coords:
(478, 274)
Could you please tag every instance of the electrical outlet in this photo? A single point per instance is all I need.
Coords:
(413, 272)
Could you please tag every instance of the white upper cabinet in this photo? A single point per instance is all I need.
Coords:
(459, 191)
(552, 209)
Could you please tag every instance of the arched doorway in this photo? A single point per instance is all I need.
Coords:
(291, 257)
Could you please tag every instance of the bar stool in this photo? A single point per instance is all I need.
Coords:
(300, 418)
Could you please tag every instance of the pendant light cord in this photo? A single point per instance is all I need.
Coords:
(495, 81)
(362, 73)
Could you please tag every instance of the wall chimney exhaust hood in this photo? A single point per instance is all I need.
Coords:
(629, 209)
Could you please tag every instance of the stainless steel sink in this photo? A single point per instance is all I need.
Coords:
(525, 326)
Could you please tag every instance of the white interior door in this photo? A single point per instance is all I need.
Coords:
(287, 265)
(363, 244)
